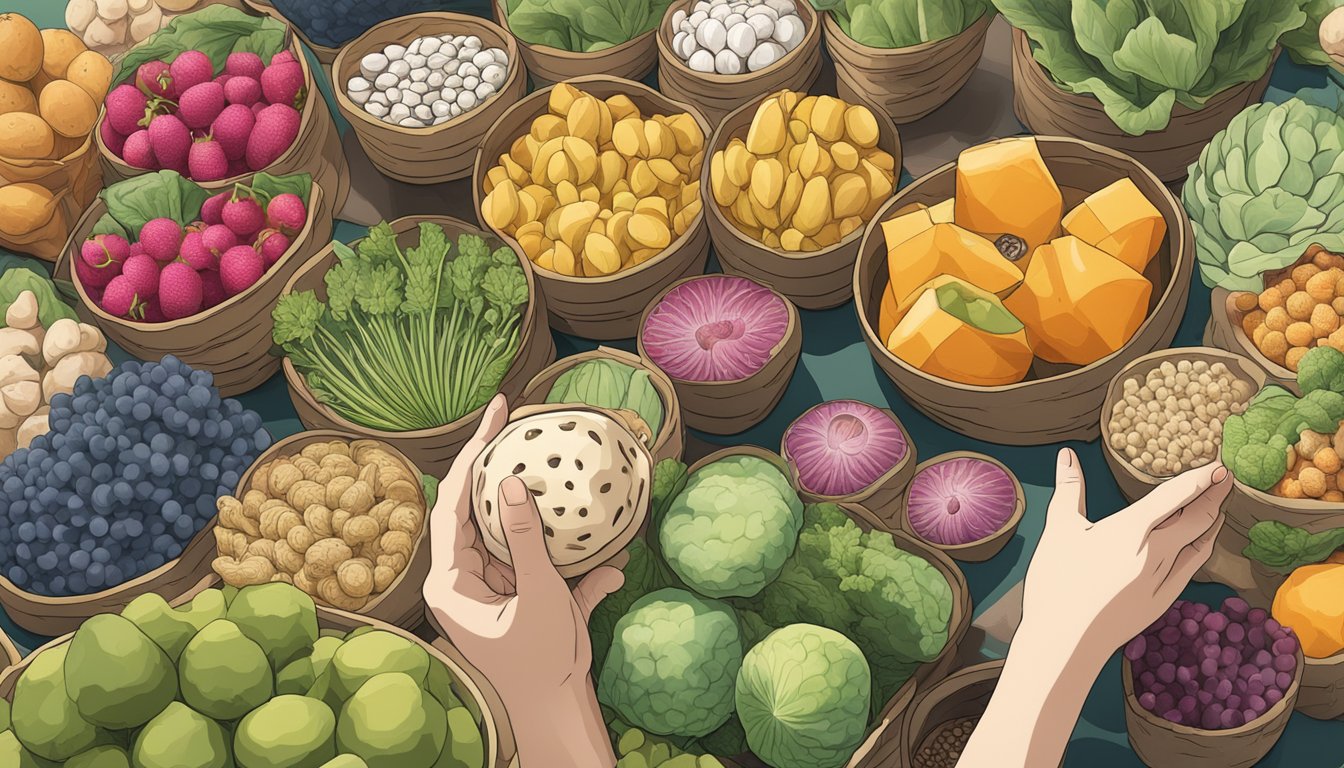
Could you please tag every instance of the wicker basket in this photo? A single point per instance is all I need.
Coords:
(633, 60)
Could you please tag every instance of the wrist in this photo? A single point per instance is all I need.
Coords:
(560, 728)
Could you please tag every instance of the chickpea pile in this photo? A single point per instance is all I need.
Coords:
(1171, 419)
(338, 520)
(594, 187)
(1299, 312)
(1314, 470)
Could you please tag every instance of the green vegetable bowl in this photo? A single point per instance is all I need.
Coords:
(431, 449)
(601, 29)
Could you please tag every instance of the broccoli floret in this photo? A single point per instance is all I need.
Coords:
(1321, 369)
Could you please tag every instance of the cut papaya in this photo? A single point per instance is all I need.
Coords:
(947, 249)
(958, 332)
(944, 212)
(1004, 187)
(1121, 221)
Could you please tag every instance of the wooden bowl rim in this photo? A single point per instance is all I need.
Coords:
(1006, 530)
(976, 27)
(886, 477)
(502, 18)
(664, 34)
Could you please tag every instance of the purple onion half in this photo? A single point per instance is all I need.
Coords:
(715, 328)
(841, 447)
(961, 500)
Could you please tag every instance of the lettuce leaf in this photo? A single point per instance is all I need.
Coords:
(215, 30)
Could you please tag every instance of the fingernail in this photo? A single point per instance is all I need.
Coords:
(1220, 474)
(515, 492)
(1066, 456)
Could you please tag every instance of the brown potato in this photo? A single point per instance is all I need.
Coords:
(24, 136)
(20, 48)
(59, 48)
(24, 207)
(67, 108)
(14, 97)
(91, 71)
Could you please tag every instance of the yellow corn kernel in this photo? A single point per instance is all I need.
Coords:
(622, 107)
(547, 127)
(861, 126)
(803, 111)
(583, 119)
(798, 130)
(793, 192)
(791, 240)
(746, 218)
(795, 154)
(683, 165)
(691, 210)
(738, 162)
(527, 211)
(583, 157)
(809, 244)
(849, 225)
(600, 255)
(566, 263)
(767, 182)
(617, 227)
(624, 201)
(723, 189)
(849, 195)
(828, 118)
(697, 162)
(659, 139)
(516, 173)
(767, 133)
(648, 231)
(769, 239)
(814, 207)
(563, 96)
(546, 260)
(641, 255)
(788, 101)
(690, 139)
(642, 181)
(500, 206)
(552, 223)
(668, 191)
(566, 193)
(883, 160)
(572, 221)
(542, 162)
(666, 172)
(844, 154)
(689, 193)
(766, 215)
(494, 176)
(880, 182)
(654, 206)
(559, 168)
(627, 136)
(543, 197)
(829, 235)
(523, 146)
(530, 237)
(610, 169)
(590, 193)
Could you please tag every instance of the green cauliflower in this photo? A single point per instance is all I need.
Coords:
(224, 674)
(44, 718)
(803, 695)
(107, 756)
(373, 653)
(299, 675)
(392, 722)
(117, 677)
(179, 737)
(171, 628)
(673, 661)
(644, 573)
(15, 755)
(281, 618)
(286, 732)
(732, 527)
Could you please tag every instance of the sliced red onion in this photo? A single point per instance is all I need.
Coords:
(961, 500)
(843, 446)
(715, 328)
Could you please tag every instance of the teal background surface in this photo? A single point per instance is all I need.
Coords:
(836, 364)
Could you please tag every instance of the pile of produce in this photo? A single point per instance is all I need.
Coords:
(943, 747)
(715, 328)
(962, 500)
(1301, 311)
(902, 23)
(1171, 418)
(207, 112)
(126, 476)
(1290, 446)
(1209, 669)
(595, 187)
(841, 447)
(1145, 57)
(1263, 192)
(612, 385)
(846, 614)
(983, 283)
(44, 349)
(1307, 600)
(50, 87)
(237, 678)
(338, 520)
(210, 247)
(732, 37)
(809, 174)
(408, 338)
(428, 81)
(637, 749)
(110, 26)
(582, 25)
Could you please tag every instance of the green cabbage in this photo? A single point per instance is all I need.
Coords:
(1264, 189)
(902, 23)
(613, 385)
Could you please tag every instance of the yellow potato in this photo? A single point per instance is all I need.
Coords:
(25, 136)
(59, 48)
(67, 108)
(16, 98)
(20, 48)
(24, 207)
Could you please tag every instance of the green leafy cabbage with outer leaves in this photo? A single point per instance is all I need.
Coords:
(902, 23)
(1284, 548)
(1140, 58)
(610, 384)
(1264, 189)
(1304, 43)
(583, 25)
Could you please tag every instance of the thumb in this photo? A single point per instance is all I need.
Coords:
(595, 586)
(524, 533)
(1070, 498)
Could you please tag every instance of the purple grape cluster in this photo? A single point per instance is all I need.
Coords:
(1212, 669)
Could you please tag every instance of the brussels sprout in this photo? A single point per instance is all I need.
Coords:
(391, 722)
(224, 674)
(672, 664)
(345, 761)
(178, 737)
(286, 732)
(464, 748)
(117, 677)
(439, 683)
(280, 618)
(14, 755)
(802, 695)
(4, 715)
(171, 628)
(44, 718)
(372, 653)
(299, 675)
(100, 757)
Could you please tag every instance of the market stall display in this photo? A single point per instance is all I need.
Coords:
(560, 41)
(964, 503)
(458, 74)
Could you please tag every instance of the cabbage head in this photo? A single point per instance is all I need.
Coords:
(1264, 189)
(672, 665)
(730, 530)
(802, 696)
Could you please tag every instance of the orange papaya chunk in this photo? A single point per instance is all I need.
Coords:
(1121, 221)
(944, 212)
(1308, 601)
(1004, 187)
(1078, 302)
(905, 225)
(947, 249)
(886, 314)
(961, 333)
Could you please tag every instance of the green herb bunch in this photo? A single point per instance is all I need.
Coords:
(903, 23)
(583, 25)
(407, 338)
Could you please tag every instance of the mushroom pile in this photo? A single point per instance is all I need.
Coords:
(36, 364)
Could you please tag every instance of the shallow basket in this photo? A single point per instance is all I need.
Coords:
(402, 603)
(607, 307)
(1056, 402)
(1045, 108)
(964, 693)
(984, 548)
(670, 441)
(1161, 743)
(812, 279)
(437, 153)
(433, 449)
(232, 339)
(634, 59)
(911, 82)
(718, 95)
(729, 407)
(1225, 332)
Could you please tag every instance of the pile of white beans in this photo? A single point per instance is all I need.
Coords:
(730, 37)
(428, 82)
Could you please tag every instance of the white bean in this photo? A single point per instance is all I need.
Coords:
(440, 108)
(765, 55)
(677, 18)
(711, 35)
(385, 80)
(453, 81)
(410, 122)
(420, 74)
(423, 113)
(410, 98)
(414, 47)
(483, 59)
(378, 97)
(742, 39)
(701, 61)
(494, 75)
(762, 24)
(485, 91)
(438, 61)
(466, 100)
(358, 84)
(688, 46)
(394, 52)
(470, 83)
(371, 65)
(399, 111)
(435, 79)
(393, 95)
(449, 50)
(400, 68)
(376, 109)
(472, 41)
(360, 97)
(719, 12)
(454, 110)
(789, 31)
(429, 45)
(415, 60)
(448, 94)
(727, 63)
(501, 56)
(469, 70)
(420, 88)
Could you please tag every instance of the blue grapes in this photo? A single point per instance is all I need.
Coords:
(128, 474)
(334, 23)
(1212, 669)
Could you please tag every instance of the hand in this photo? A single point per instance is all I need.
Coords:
(521, 626)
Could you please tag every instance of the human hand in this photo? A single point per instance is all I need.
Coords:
(521, 626)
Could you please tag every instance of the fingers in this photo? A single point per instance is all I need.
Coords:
(596, 585)
(1170, 497)
(524, 533)
(1070, 498)
(1191, 558)
(452, 531)
(1180, 529)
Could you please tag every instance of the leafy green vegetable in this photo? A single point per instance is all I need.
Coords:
(215, 30)
(644, 573)
(1264, 189)
(583, 25)
(610, 384)
(407, 339)
(430, 485)
(1322, 371)
(136, 200)
(1285, 548)
(903, 23)
(1140, 58)
(17, 278)
(669, 478)
(1304, 43)
(267, 186)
